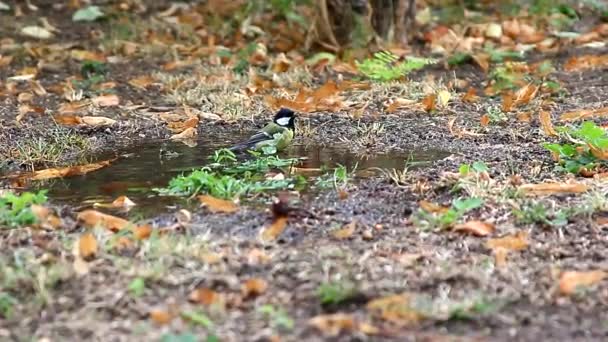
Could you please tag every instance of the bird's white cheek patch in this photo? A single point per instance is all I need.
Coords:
(283, 121)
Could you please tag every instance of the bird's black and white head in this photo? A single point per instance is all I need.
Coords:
(285, 118)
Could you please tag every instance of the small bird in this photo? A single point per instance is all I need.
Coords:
(279, 133)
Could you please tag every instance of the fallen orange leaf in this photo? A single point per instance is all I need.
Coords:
(142, 82)
(92, 218)
(97, 121)
(396, 309)
(429, 102)
(515, 242)
(106, 100)
(253, 287)
(161, 317)
(584, 114)
(484, 120)
(570, 281)
(553, 188)
(432, 207)
(333, 324)
(345, 232)
(188, 133)
(477, 228)
(470, 96)
(87, 246)
(217, 205)
(66, 171)
(142, 232)
(203, 295)
(122, 202)
(547, 125)
(275, 229)
(579, 63)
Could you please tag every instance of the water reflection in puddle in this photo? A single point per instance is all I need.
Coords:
(139, 170)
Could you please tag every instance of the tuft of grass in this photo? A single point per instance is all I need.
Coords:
(537, 213)
(16, 210)
(47, 148)
(338, 179)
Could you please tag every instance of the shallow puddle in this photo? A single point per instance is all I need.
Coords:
(137, 171)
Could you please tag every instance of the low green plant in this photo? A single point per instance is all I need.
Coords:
(537, 213)
(16, 210)
(385, 66)
(137, 287)
(198, 318)
(477, 167)
(339, 178)
(588, 141)
(7, 303)
(209, 182)
(279, 319)
(447, 218)
(335, 292)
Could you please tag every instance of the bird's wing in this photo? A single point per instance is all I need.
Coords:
(253, 140)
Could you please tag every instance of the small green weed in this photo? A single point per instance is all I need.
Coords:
(137, 287)
(447, 218)
(198, 318)
(277, 316)
(588, 140)
(7, 302)
(337, 179)
(15, 210)
(385, 66)
(335, 292)
(537, 213)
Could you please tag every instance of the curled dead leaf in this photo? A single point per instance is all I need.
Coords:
(571, 281)
(106, 100)
(476, 228)
(64, 172)
(546, 124)
(122, 202)
(217, 205)
(97, 121)
(396, 309)
(333, 324)
(92, 218)
(516, 242)
(142, 232)
(345, 232)
(188, 133)
(277, 227)
(204, 295)
(253, 287)
(160, 317)
(544, 189)
(87, 246)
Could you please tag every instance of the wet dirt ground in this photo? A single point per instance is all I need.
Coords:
(388, 253)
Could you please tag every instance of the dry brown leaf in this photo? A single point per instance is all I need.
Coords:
(584, 114)
(345, 232)
(97, 121)
(82, 55)
(106, 100)
(553, 188)
(87, 246)
(66, 171)
(432, 207)
(429, 102)
(161, 317)
(545, 122)
(507, 102)
(205, 296)
(72, 107)
(476, 228)
(333, 324)
(515, 242)
(142, 232)
(484, 120)
(253, 287)
(571, 281)
(179, 126)
(217, 205)
(470, 96)
(396, 309)
(281, 63)
(91, 218)
(188, 133)
(142, 82)
(277, 227)
(579, 63)
(211, 258)
(400, 104)
(122, 202)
